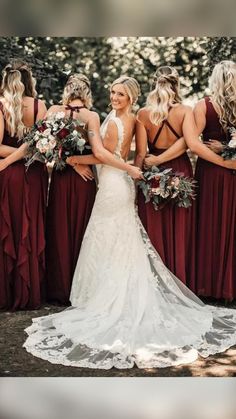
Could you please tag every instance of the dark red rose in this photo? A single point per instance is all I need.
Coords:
(155, 182)
(42, 128)
(63, 133)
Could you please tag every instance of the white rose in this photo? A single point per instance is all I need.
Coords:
(52, 143)
(80, 142)
(46, 132)
(232, 143)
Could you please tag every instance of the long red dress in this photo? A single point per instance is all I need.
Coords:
(22, 231)
(171, 229)
(70, 205)
(216, 220)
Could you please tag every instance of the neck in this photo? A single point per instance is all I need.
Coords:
(76, 102)
(122, 112)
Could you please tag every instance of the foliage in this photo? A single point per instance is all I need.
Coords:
(104, 59)
(162, 185)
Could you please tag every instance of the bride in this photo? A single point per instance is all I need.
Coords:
(127, 307)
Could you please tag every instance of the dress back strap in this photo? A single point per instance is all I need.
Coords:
(157, 134)
(74, 109)
(36, 107)
(171, 128)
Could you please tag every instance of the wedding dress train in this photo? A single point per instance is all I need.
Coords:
(127, 307)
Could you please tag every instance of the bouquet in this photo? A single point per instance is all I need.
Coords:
(56, 138)
(229, 150)
(163, 185)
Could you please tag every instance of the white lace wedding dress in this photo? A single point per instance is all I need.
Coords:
(127, 307)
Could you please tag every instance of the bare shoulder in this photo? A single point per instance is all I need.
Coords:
(182, 109)
(143, 115)
(94, 116)
(41, 105)
(54, 109)
(200, 106)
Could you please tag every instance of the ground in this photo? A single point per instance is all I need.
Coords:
(16, 362)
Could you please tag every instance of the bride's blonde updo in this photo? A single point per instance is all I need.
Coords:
(165, 94)
(131, 86)
(17, 82)
(77, 87)
(222, 84)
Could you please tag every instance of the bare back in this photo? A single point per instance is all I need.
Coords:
(29, 112)
(78, 112)
(129, 131)
(166, 137)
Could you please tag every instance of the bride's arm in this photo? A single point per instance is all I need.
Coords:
(140, 142)
(174, 151)
(102, 154)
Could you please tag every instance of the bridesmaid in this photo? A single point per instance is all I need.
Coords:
(22, 194)
(216, 203)
(160, 128)
(72, 196)
(171, 229)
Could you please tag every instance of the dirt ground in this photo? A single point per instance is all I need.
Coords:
(16, 362)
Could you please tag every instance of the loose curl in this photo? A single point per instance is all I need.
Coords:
(131, 86)
(77, 87)
(165, 95)
(222, 84)
(17, 82)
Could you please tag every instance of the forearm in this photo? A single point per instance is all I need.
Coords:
(106, 157)
(205, 153)
(174, 151)
(89, 159)
(6, 150)
(18, 154)
(138, 160)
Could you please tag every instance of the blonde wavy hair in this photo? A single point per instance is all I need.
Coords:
(131, 86)
(165, 94)
(222, 84)
(77, 87)
(17, 82)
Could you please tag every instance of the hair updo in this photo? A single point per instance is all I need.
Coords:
(77, 87)
(165, 94)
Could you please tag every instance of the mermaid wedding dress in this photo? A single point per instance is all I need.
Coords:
(127, 307)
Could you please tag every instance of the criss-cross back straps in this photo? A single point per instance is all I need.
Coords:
(160, 129)
(74, 109)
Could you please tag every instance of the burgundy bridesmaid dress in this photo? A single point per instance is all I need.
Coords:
(216, 220)
(23, 197)
(171, 229)
(70, 205)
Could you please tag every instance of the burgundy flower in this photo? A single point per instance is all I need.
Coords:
(155, 182)
(42, 128)
(63, 133)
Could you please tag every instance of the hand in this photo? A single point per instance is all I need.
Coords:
(72, 160)
(150, 160)
(3, 164)
(84, 171)
(135, 172)
(230, 164)
(214, 145)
